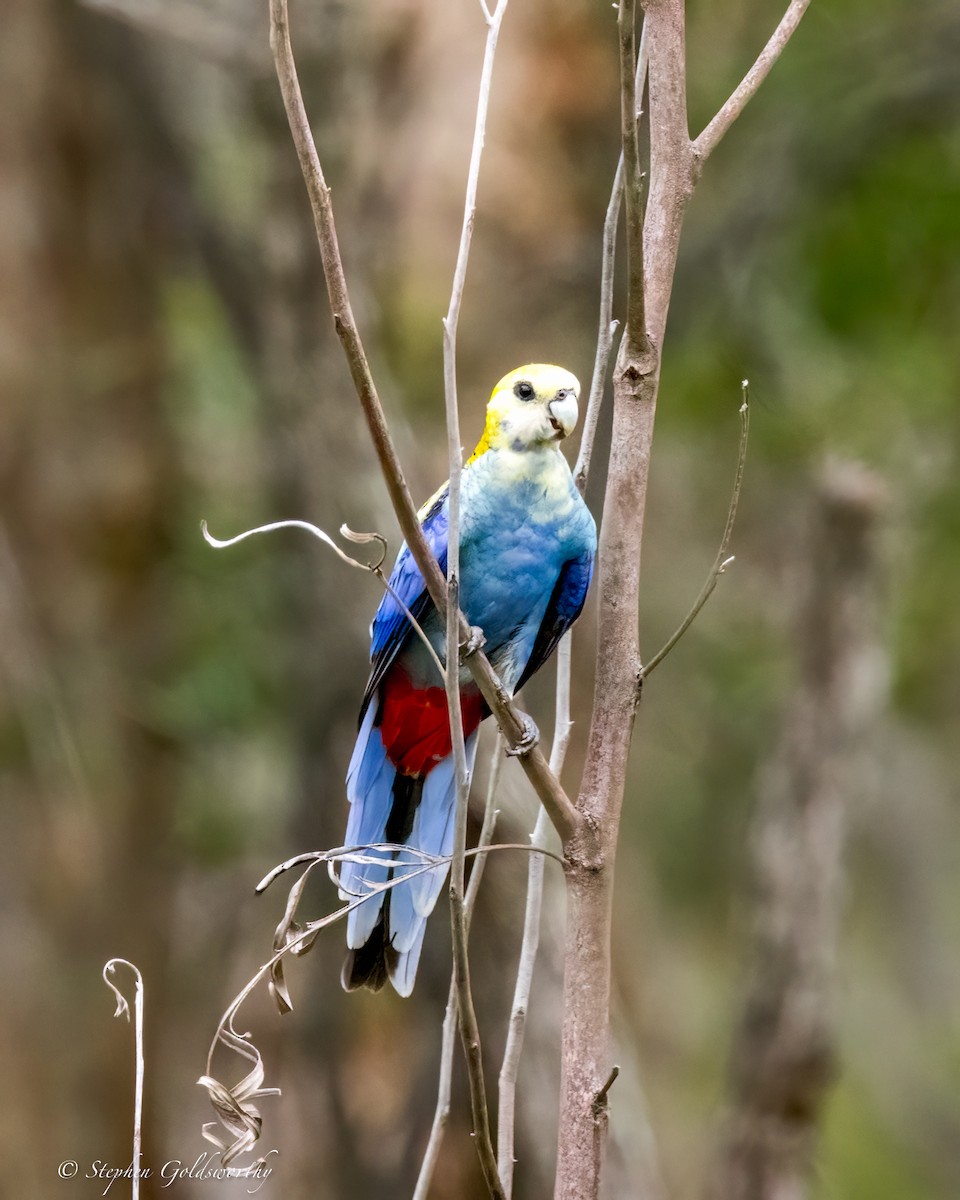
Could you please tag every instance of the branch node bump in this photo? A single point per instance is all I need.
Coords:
(601, 1099)
(632, 373)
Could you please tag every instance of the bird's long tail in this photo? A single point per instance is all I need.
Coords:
(385, 933)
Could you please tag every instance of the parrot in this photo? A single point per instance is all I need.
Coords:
(527, 546)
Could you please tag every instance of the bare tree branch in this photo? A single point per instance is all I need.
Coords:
(635, 332)
(374, 568)
(607, 326)
(530, 944)
(469, 1029)
(123, 1010)
(591, 851)
(605, 333)
(585, 1064)
(544, 782)
(783, 1057)
(709, 139)
(234, 1104)
(447, 1041)
(721, 562)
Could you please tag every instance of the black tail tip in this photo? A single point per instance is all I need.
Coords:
(371, 965)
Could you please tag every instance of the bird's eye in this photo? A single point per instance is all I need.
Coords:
(524, 390)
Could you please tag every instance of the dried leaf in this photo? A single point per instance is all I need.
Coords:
(234, 1106)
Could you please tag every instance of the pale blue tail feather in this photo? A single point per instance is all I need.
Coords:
(411, 903)
(370, 779)
(369, 789)
(404, 974)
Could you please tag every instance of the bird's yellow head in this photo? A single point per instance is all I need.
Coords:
(532, 406)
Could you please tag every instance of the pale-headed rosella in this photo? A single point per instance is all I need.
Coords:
(527, 544)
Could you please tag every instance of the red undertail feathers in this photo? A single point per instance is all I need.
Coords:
(414, 725)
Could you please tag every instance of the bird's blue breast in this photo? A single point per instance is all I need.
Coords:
(522, 519)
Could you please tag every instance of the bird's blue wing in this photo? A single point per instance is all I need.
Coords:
(565, 605)
(391, 625)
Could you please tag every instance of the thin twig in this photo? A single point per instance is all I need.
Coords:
(722, 561)
(506, 1113)
(607, 327)
(600, 1099)
(223, 543)
(530, 944)
(469, 1028)
(562, 725)
(487, 827)
(605, 333)
(448, 1038)
(632, 176)
(234, 1105)
(123, 1009)
(354, 853)
(707, 142)
(312, 928)
(374, 568)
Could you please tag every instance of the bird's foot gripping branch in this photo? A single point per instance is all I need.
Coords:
(530, 739)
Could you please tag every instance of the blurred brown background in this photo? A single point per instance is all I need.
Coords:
(173, 721)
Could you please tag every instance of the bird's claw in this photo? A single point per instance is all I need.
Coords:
(474, 642)
(530, 739)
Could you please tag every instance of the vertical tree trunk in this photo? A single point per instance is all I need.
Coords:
(783, 1055)
(87, 476)
(590, 854)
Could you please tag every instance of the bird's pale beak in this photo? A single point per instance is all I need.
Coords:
(564, 412)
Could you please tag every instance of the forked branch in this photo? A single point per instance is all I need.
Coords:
(590, 855)
(707, 142)
(722, 561)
